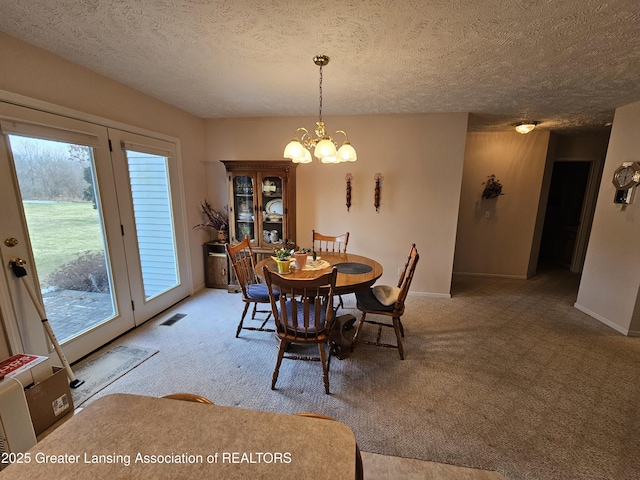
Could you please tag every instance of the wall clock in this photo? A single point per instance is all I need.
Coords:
(625, 178)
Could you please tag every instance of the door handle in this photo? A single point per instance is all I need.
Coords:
(11, 242)
(17, 264)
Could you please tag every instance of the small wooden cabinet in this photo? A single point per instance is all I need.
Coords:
(216, 265)
(262, 203)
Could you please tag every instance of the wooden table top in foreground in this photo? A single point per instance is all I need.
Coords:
(132, 436)
(345, 283)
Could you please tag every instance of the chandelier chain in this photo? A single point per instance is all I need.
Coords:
(320, 115)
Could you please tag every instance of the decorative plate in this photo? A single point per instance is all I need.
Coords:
(274, 206)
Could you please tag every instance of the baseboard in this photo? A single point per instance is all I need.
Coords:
(495, 275)
(607, 322)
(430, 295)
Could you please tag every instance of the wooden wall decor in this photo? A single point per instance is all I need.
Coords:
(376, 194)
(348, 178)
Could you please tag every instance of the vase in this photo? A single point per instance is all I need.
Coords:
(223, 236)
(283, 265)
(301, 259)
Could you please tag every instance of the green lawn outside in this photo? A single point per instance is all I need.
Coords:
(60, 232)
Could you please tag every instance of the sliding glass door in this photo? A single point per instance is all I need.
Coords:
(101, 231)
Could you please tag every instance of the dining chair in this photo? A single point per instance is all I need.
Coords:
(303, 314)
(388, 301)
(189, 397)
(253, 292)
(330, 243)
(359, 466)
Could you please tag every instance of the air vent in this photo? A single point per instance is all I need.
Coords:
(174, 319)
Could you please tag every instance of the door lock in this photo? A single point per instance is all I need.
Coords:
(11, 242)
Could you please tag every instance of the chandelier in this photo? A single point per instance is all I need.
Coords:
(324, 148)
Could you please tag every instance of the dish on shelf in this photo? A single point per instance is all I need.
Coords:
(268, 186)
(274, 207)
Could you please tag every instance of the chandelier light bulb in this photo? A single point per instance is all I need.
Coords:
(347, 153)
(294, 150)
(306, 156)
(325, 148)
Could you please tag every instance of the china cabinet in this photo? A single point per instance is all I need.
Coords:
(262, 203)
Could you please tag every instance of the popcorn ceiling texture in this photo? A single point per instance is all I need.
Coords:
(567, 63)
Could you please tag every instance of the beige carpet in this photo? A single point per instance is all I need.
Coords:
(507, 375)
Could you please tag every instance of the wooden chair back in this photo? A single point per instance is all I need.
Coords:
(406, 277)
(330, 243)
(241, 256)
(302, 309)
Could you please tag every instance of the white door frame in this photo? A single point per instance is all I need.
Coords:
(8, 308)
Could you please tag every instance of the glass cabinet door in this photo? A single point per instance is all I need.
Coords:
(262, 203)
(272, 209)
(243, 207)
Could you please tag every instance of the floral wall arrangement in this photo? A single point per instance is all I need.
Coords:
(493, 187)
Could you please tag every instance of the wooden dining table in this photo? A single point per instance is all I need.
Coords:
(134, 436)
(354, 271)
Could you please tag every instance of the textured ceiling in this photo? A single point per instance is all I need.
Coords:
(565, 63)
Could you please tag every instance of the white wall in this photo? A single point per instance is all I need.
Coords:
(420, 157)
(496, 236)
(610, 284)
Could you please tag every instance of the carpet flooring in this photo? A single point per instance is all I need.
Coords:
(506, 375)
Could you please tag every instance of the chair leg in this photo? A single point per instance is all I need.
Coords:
(244, 313)
(396, 327)
(281, 350)
(401, 326)
(325, 367)
(358, 328)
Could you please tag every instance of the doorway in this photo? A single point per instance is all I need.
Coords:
(97, 215)
(567, 217)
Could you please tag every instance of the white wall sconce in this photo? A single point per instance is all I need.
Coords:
(376, 192)
(525, 127)
(348, 178)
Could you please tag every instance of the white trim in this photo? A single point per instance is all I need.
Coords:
(147, 148)
(8, 318)
(429, 295)
(21, 100)
(34, 130)
(496, 275)
(607, 322)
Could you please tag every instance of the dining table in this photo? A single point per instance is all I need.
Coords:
(354, 271)
(134, 436)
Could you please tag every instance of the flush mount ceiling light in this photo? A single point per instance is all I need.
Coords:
(526, 127)
(324, 148)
